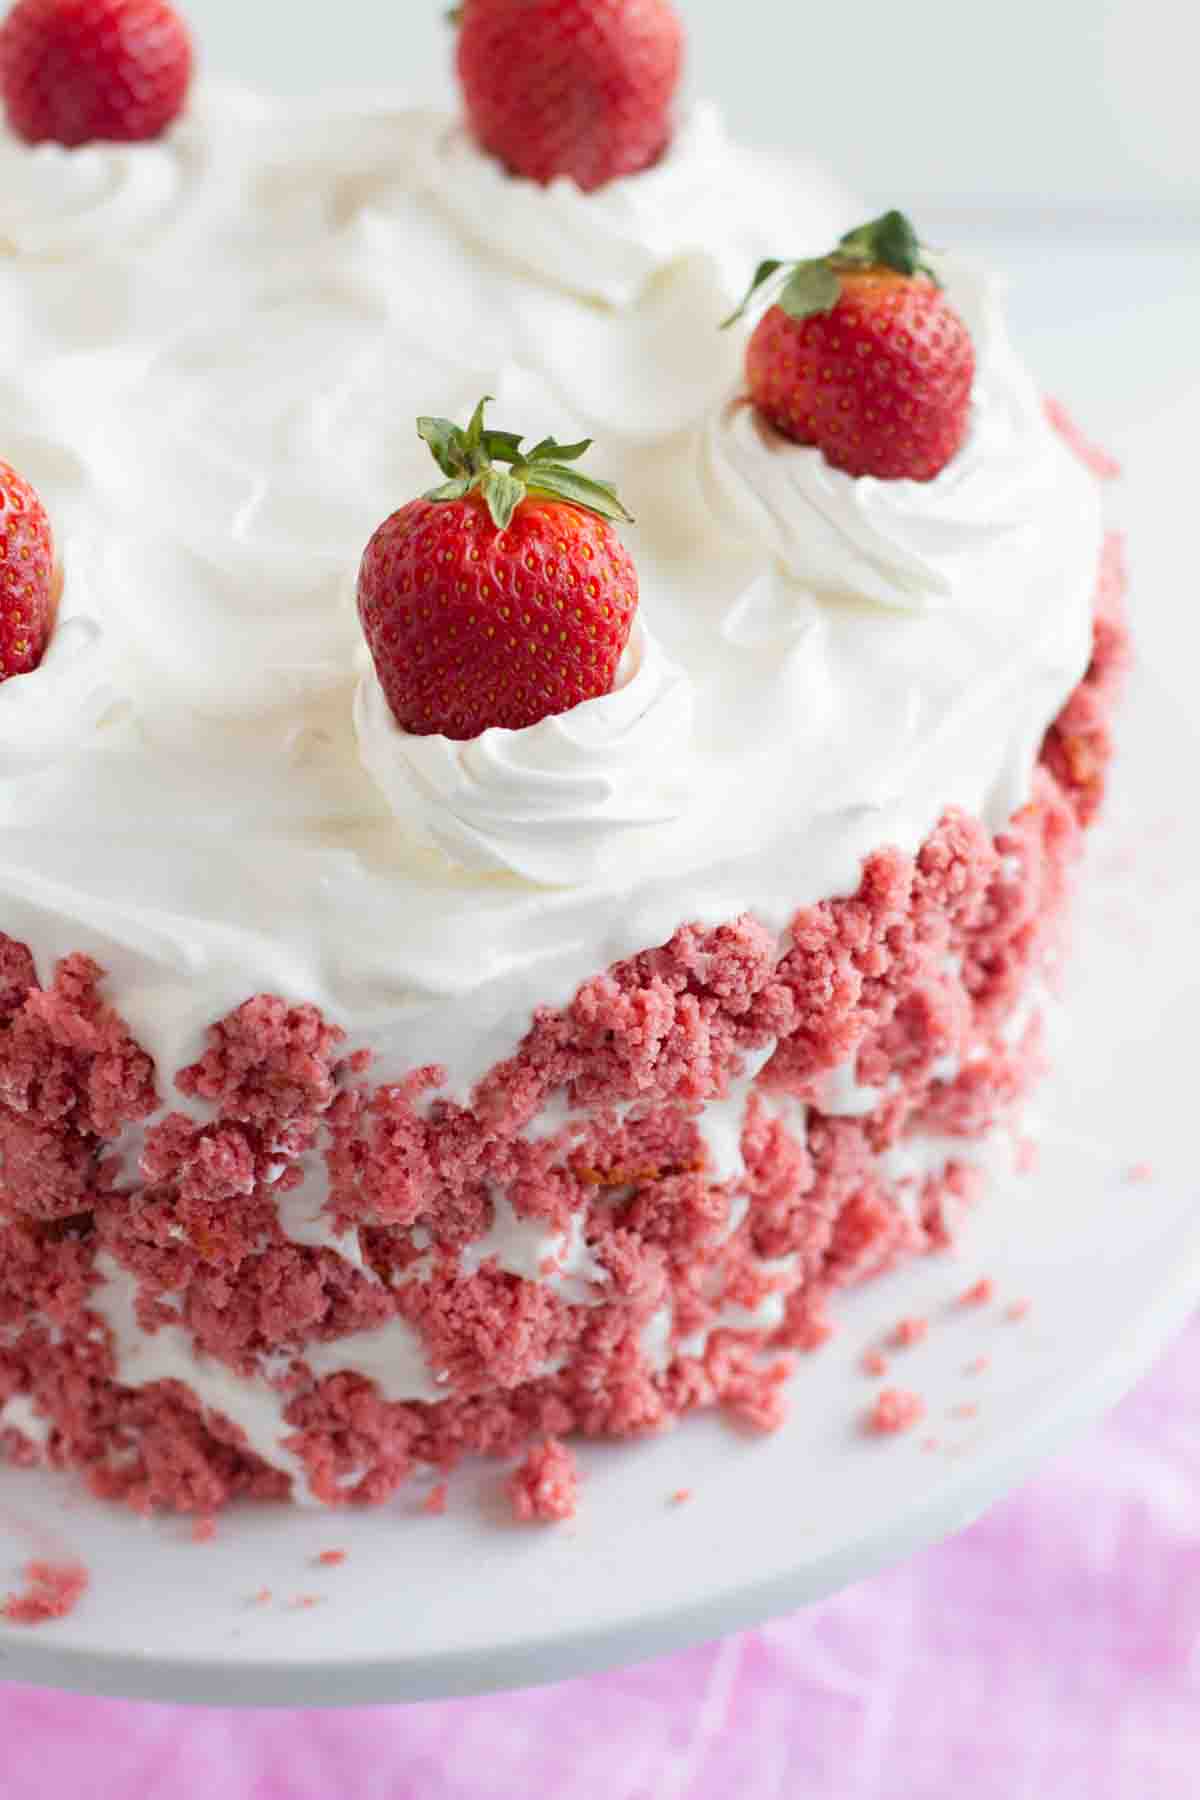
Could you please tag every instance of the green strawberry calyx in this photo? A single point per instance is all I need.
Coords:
(471, 462)
(814, 286)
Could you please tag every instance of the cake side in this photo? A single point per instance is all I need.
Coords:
(311, 1284)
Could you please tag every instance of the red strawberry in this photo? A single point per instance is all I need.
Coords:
(504, 595)
(581, 88)
(26, 571)
(78, 71)
(864, 357)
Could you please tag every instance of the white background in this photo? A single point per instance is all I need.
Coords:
(1060, 139)
(1082, 107)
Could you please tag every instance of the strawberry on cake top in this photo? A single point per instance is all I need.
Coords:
(405, 1053)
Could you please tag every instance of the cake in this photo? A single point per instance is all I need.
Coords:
(370, 1099)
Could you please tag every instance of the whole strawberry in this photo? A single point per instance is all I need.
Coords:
(582, 88)
(863, 356)
(504, 595)
(26, 573)
(82, 71)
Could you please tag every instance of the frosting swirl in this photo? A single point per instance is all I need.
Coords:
(604, 246)
(56, 202)
(552, 802)
(56, 707)
(912, 545)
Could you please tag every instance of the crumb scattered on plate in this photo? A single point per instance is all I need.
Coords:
(51, 1591)
(895, 1410)
(546, 1485)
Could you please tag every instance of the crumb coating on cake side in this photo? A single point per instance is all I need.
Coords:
(310, 1283)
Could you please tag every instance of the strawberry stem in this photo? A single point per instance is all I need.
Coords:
(814, 285)
(469, 459)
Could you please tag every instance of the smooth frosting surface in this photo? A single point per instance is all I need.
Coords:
(219, 413)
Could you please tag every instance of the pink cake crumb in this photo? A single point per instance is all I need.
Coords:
(967, 1409)
(262, 1598)
(332, 1559)
(895, 1410)
(52, 1591)
(1018, 1310)
(434, 1502)
(546, 1486)
(909, 1332)
(754, 1397)
(204, 1529)
(810, 1327)
(874, 1363)
(681, 1496)
(980, 1294)
(978, 1366)
(306, 1602)
(1141, 1171)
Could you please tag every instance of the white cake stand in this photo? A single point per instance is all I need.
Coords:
(423, 1606)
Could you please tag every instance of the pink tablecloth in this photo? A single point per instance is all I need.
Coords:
(1050, 1653)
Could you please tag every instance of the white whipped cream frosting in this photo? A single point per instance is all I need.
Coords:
(607, 245)
(55, 202)
(224, 412)
(106, 199)
(907, 544)
(56, 710)
(556, 801)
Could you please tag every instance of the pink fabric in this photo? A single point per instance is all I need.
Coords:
(1051, 1650)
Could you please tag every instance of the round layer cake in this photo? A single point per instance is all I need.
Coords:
(367, 1100)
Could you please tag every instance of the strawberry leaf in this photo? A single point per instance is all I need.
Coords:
(549, 450)
(503, 493)
(762, 275)
(812, 288)
(446, 441)
(889, 240)
(474, 435)
(452, 490)
(502, 446)
(580, 490)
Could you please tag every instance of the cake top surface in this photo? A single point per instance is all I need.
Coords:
(218, 344)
